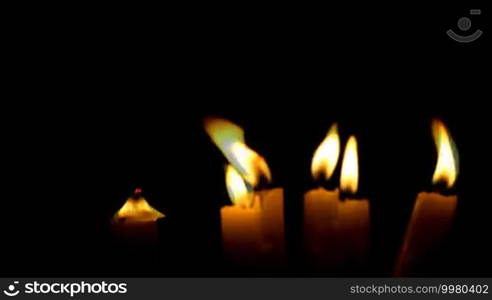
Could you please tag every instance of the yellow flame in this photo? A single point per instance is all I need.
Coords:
(326, 156)
(137, 210)
(350, 167)
(237, 189)
(229, 138)
(447, 155)
(223, 132)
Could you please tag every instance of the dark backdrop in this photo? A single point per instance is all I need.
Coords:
(121, 102)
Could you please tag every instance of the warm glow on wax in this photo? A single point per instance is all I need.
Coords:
(138, 210)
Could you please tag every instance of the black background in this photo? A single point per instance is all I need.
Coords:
(115, 99)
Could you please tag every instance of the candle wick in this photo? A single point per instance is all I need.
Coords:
(137, 193)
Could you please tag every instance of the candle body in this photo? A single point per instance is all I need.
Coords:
(136, 221)
(255, 236)
(272, 226)
(431, 218)
(336, 232)
(135, 232)
(241, 234)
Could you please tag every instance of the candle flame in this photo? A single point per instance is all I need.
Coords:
(326, 155)
(237, 188)
(447, 155)
(229, 138)
(350, 167)
(137, 209)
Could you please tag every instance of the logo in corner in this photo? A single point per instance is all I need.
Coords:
(464, 24)
(11, 292)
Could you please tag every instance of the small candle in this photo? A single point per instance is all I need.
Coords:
(240, 222)
(253, 226)
(336, 230)
(136, 221)
(433, 213)
(271, 202)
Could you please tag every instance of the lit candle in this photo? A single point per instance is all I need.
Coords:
(253, 226)
(433, 213)
(336, 230)
(136, 221)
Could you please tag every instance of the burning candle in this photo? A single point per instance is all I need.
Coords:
(253, 226)
(136, 221)
(433, 212)
(336, 230)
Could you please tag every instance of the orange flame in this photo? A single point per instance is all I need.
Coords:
(350, 167)
(229, 138)
(447, 155)
(237, 189)
(325, 157)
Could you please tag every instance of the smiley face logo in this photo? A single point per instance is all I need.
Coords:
(10, 291)
(464, 24)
